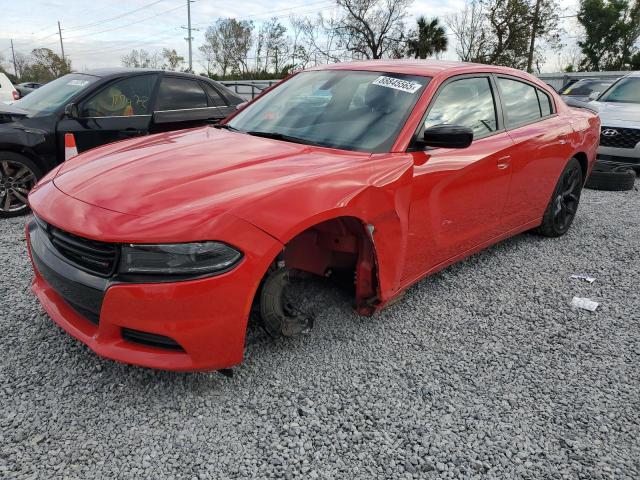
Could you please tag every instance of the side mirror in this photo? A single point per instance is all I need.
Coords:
(448, 136)
(71, 111)
(594, 95)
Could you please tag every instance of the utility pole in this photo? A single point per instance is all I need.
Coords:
(189, 38)
(15, 65)
(61, 45)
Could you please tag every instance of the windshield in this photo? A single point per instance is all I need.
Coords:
(585, 87)
(55, 94)
(626, 90)
(345, 109)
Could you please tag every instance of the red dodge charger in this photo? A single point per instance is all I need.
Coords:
(154, 251)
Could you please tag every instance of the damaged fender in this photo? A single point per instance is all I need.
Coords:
(379, 200)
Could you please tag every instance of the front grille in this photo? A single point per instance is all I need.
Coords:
(85, 300)
(99, 258)
(624, 138)
(619, 159)
(150, 339)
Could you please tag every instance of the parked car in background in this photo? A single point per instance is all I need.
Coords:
(93, 108)
(8, 93)
(26, 88)
(619, 110)
(581, 89)
(154, 251)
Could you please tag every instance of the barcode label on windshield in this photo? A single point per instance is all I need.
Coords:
(397, 84)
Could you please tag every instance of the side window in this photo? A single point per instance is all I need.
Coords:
(467, 102)
(123, 98)
(180, 94)
(520, 102)
(214, 97)
(545, 103)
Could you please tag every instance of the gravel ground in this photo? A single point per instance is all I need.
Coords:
(482, 371)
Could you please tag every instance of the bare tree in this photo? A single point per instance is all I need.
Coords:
(321, 37)
(371, 28)
(569, 59)
(276, 44)
(173, 60)
(227, 44)
(469, 27)
(141, 59)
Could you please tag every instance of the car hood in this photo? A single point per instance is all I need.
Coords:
(617, 111)
(179, 173)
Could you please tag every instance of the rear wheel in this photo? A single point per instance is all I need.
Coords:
(18, 175)
(563, 205)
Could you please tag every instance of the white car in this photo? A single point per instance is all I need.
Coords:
(8, 94)
(619, 110)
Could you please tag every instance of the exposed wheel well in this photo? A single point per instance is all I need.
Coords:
(342, 244)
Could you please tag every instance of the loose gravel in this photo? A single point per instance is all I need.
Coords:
(482, 371)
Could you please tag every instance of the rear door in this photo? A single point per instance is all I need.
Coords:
(185, 103)
(458, 194)
(119, 110)
(541, 149)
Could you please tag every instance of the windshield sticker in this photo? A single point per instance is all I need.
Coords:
(397, 84)
(78, 83)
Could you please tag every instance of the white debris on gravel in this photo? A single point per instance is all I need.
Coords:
(584, 303)
(481, 371)
(586, 278)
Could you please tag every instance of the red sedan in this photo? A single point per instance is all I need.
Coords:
(154, 251)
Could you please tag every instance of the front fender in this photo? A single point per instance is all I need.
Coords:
(376, 191)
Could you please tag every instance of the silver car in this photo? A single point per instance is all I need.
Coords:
(619, 110)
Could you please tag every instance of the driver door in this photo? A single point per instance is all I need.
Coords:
(120, 110)
(458, 194)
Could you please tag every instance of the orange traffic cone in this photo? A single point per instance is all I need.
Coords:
(70, 149)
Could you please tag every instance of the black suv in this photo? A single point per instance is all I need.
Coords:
(97, 107)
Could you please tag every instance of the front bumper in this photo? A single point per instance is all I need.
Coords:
(205, 319)
(619, 156)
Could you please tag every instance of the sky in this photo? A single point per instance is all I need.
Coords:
(98, 33)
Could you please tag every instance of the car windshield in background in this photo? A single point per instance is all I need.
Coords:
(345, 109)
(55, 94)
(585, 87)
(626, 90)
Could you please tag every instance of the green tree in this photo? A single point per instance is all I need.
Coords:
(428, 39)
(45, 65)
(612, 28)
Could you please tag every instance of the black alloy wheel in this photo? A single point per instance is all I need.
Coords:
(564, 202)
(18, 175)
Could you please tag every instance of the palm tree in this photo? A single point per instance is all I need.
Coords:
(428, 39)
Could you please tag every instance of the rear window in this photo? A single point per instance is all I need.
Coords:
(180, 94)
(520, 101)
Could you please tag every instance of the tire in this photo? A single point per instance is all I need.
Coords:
(616, 179)
(279, 317)
(563, 204)
(18, 175)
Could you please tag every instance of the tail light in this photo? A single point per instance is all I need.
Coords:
(16, 95)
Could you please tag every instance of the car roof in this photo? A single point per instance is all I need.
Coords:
(429, 68)
(118, 72)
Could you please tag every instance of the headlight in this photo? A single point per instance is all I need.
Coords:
(178, 258)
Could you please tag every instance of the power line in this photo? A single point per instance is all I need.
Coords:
(107, 20)
(127, 24)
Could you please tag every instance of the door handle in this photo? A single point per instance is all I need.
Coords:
(504, 162)
(131, 131)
